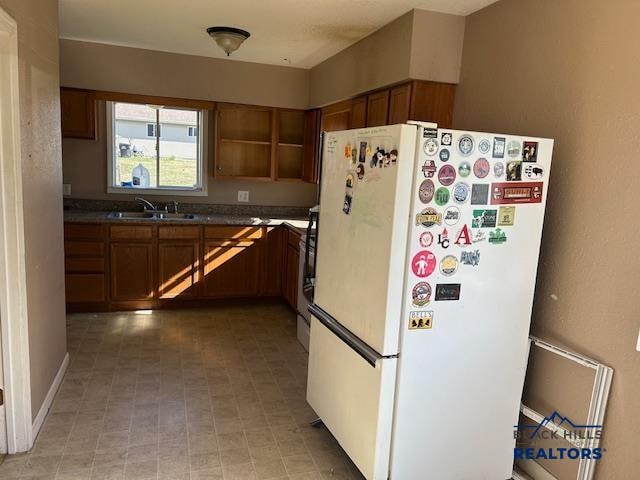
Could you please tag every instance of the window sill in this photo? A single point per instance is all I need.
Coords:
(175, 192)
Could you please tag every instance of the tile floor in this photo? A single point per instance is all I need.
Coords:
(193, 394)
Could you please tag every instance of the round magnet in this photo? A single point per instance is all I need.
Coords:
(464, 169)
(484, 146)
(423, 263)
(466, 144)
(430, 146)
(498, 169)
(461, 192)
(442, 196)
(448, 265)
(445, 154)
(426, 239)
(513, 149)
(481, 168)
(421, 294)
(447, 175)
(426, 190)
(451, 215)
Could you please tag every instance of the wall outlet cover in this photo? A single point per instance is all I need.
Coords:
(243, 196)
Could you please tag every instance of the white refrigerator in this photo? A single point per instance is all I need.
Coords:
(427, 252)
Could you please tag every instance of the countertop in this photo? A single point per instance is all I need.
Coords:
(83, 216)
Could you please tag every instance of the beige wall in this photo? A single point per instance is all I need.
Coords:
(42, 175)
(569, 70)
(420, 45)
(100, 67)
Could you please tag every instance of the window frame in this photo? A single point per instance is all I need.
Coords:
(203, 148)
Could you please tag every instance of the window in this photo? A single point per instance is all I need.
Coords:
(157, 149)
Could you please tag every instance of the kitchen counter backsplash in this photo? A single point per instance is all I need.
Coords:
(86, 205)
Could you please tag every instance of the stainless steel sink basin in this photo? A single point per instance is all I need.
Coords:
(153, 215)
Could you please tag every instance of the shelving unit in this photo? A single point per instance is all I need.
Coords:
(261, 143)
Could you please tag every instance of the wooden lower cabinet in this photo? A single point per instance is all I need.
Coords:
(179, 269)
(85, 287)
(132, 271)
(290, 289)
(272, 267)
(231, 268)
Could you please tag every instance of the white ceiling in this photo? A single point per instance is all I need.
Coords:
(304, 32)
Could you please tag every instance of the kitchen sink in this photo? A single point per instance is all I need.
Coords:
(153, 215)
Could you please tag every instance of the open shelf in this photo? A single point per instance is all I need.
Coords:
(291, 127)
(290, 162)
(243, 160)
(251, 124)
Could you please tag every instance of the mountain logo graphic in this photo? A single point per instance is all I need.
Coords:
(559, 421)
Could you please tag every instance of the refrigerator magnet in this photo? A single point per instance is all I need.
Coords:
(429, 217)
(532, 171)
(429, 169)
(514, 171)
(378, 158)
(498, 169)
(421, 294)
(461, 192)
(426, 239)
(360, 171)
(445, 155)
(506, 216)
(362, 153)
(442, 196)
(430, 146)
(451, 216)
(423, 263)
(443, 238)
(466, 145)
(426, 191)
(481, 168)
(464, 169)
(484, 146)
(420, 320)
(513, 149)
(349, 182)
(484, 219)
(447, 291)
(479, 236)
(463, 237)
(446, 139)
(346, 208)
(471, 258)
(479, 194)
(510, 193)
(448, 265)
(530, 152)
(498, 147)
(447, 175)
(497, 237)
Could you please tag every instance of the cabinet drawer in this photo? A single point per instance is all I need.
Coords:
(131, 232)
(293, 239)
(177, 233)
(235, 233)
(86, 249)
(84, 287)
(83, 230)
(83, 264)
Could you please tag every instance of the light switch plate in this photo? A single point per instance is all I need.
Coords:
(66, 189)
(243, 196)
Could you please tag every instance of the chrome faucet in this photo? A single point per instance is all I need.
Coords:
(147, 204)
(175, 206)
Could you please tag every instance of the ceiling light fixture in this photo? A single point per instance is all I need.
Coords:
(228, 38)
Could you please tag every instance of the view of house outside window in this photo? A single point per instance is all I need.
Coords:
(165, 141)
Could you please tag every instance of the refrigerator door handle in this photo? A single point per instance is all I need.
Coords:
(351, 340)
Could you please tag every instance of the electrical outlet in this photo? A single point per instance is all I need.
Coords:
(66, 189)
(243, 196)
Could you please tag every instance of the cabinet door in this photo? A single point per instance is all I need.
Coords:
(78, 113)
(231, 268)
(336, 117)
(399, 104)
(377, 108)
(359, 112)
(291, 281)
(272, 262)
(178, 269)
(132, 271)
(84, 287)
(311, 145)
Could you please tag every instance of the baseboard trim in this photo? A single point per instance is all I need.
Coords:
(48, 400)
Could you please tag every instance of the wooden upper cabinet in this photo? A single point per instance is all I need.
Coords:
(336, 117)
(78, 109)
(433, 102)
(311, 146)
(400, 104)
(359, 112)
(377, 108)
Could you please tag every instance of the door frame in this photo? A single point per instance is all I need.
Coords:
(13, 286)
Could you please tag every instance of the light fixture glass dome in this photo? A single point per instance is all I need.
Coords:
(228, 38)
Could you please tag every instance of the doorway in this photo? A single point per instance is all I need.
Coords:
(15, 413)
